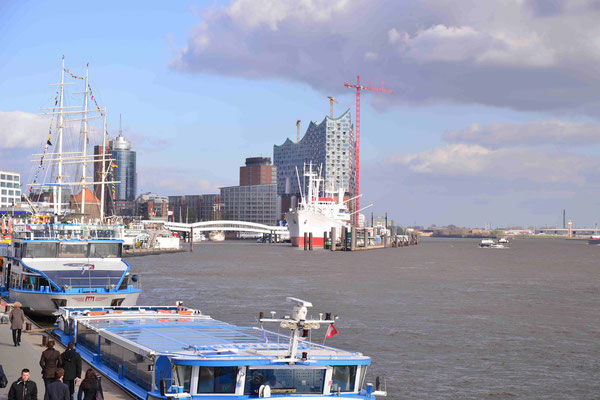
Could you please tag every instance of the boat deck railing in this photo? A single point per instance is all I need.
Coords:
(68, 232)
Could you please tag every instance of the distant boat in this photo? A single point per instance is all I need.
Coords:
(216, 236)
(594, 239)
(491, 244)
(503, 240)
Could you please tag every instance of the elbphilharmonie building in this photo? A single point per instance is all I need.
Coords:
(329, 145)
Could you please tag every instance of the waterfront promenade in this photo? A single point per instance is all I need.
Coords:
(14, 359)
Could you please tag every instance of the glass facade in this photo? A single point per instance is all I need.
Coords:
(328, 145)
(10, 188)
(125, 171)
(252, 203)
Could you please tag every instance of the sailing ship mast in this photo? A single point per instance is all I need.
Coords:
(60, 158)
(84, 152)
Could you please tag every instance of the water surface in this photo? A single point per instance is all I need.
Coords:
(441, 320)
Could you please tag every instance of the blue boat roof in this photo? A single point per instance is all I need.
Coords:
(163, 331)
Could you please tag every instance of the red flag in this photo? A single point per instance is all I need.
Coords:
(10, 230)
(3, 227)
(331, 331)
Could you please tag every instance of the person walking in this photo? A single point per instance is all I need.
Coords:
(17, 319)
(57, 390)
(3, 379)
(50, 362)
(71, 363)
(90, 386)
(23, 388)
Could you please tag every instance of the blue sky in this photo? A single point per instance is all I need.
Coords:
(494, 116)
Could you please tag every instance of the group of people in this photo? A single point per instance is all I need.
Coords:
(59, 371)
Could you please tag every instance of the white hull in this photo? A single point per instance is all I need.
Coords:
(216, 236)
(305, 221)
(42, 304)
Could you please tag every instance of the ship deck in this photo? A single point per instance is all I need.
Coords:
(191, 335)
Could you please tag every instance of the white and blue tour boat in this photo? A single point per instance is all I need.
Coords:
(47, 266)
(177, 352)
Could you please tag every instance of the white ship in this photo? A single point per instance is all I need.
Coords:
(76, 259)
(317, 215)
(216, 236)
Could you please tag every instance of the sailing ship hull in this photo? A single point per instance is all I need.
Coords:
(44, 304)
(305, 221)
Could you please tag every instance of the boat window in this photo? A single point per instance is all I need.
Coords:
(184, 376)
(87, 337)
(105, 250)
(217, 379)
(343, 378)
(72, 250)
(39, 250)
(83, 275)
(286, 380)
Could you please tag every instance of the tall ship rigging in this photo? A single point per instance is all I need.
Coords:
(73, 258)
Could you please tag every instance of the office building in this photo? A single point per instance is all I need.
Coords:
(10, 189)
(258, 171)
(124, 169)
(195, 208)
(152, 206)
(250, 203)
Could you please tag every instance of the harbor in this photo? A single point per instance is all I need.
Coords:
(300, 200)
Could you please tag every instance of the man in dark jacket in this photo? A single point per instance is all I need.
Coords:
(71, 363)
(23, 388)
(57, 390)
(49, 362)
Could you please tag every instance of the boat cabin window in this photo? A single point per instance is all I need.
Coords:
(105, 250)
(286, 380)
(184, 376)
(39, 250)
(217, 379)
(72, 250)
(343, 378)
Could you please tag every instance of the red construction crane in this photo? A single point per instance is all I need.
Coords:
(358, 88)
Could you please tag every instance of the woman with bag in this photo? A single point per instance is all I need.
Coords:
(91, 387)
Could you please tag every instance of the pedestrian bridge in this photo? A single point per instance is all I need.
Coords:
(232, 226)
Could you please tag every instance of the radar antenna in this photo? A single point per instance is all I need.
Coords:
(299, 327)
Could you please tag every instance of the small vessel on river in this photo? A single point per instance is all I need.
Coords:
(594, 239)
(491, 244)
(177, 352)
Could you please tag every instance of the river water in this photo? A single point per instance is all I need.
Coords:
(441, 320)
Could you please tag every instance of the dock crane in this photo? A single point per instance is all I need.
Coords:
(298, 131)
(331, 101)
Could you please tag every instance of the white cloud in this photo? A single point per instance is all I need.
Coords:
(502, 164)
(521, 54)
(19, 129)
(559, 133)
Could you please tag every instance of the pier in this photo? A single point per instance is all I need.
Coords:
(14, 359)
(360, 239)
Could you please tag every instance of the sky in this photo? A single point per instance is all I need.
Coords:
(494, 117)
